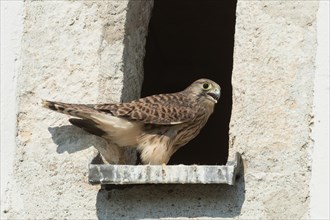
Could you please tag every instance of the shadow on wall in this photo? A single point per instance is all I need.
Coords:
(136, 28)
(71, 139)
(161, 201)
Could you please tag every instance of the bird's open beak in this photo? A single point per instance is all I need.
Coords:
(214, 95)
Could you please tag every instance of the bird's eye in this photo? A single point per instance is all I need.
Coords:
(206, 86)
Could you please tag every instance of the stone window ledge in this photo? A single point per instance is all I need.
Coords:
(168, 174)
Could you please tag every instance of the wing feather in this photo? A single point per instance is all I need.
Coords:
(162, 109)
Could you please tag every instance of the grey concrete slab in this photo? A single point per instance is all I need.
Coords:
(167, 174)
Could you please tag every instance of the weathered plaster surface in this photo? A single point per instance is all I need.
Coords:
(275, 48)
(72, 51)
(11, 36)
(319, 186)
(91, 51)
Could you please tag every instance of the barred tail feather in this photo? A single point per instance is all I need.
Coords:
(77, 110)
(120, 131)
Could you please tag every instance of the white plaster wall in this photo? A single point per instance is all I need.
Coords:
(11, 36)
(273, 75)
(319, 189)
(73, 52)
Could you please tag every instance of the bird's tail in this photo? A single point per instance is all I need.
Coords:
(77, 110)
(120, 131)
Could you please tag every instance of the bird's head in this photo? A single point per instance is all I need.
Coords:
(206, 90)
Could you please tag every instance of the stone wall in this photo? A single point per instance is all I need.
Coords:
(275, 48)
(78, 52)
(91, 51)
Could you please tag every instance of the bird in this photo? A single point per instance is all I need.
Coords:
(157, 125)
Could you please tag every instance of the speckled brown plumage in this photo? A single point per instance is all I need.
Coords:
(157, 125)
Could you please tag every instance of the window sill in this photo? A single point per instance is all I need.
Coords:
(170, 174)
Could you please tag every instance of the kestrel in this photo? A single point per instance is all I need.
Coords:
(156, 125)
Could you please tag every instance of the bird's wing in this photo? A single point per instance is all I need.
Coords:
(163, 109)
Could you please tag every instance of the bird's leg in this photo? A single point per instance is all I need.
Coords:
(163, 169)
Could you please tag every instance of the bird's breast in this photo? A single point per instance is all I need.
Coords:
(186, 132)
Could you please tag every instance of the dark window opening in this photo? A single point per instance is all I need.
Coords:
(188, 40)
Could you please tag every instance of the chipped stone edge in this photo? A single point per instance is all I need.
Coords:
(170, 174)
